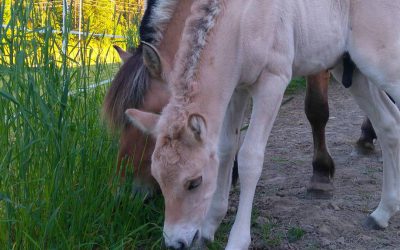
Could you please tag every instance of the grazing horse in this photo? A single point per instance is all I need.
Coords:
(135, 147)
(134, 87)
(220, 61)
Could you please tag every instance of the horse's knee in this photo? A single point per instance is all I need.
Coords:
(250, 163)
(227, 149)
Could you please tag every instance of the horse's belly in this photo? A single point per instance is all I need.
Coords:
(314, 62)
(320, 35)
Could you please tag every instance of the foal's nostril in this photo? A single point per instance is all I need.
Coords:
(196, 236)
(182, 245)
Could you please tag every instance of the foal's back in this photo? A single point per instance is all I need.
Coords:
(311, 34)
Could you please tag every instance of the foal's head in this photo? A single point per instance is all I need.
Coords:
(185, 166)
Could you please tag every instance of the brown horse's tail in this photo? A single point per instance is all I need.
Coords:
(126, 91)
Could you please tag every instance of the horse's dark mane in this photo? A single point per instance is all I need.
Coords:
(127, 90)
(146, 30)
(131, 82)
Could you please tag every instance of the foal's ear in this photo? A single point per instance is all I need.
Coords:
(124, 55)
(145, 121)
(197, 128)
(152, 60)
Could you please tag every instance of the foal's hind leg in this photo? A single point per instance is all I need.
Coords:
(385, 117)
(317, 111)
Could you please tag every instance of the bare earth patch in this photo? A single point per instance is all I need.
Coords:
(284, 218)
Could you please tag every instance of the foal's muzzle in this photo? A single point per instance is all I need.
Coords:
(182, 244)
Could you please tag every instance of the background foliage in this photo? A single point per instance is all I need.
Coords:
(58, 186)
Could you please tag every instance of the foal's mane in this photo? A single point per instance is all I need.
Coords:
(194, 39)
(184, 85)
(131, 82)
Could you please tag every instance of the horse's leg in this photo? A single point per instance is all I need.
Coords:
(228, 145)
(366, 141)
(267, 95)
(385, 118)
(317, 111)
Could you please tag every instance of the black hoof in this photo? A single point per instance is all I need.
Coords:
(365, 147)
(319, 194)
(320, 187)
(370, 223)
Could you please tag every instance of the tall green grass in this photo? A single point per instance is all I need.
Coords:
(57, 161)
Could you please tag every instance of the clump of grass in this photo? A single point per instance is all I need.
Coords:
(295, 85)
(57, 163)
(294, 234)
(271, 237)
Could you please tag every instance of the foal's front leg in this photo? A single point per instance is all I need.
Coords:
(228, 146)
(317, 111)
(267, 95)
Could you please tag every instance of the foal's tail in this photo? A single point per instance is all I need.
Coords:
(126, 91)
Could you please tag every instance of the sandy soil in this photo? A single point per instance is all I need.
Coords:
(285, 218)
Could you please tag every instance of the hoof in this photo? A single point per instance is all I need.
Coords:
(320, 188)
(319, 194)
(371, 223)
(365, 147)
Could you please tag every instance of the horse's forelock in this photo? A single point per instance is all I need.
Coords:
(127, 90)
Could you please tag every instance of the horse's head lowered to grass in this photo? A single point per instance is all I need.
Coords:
(185, 165)
(185, 161)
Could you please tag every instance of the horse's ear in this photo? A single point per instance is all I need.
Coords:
(124, 55)
(145, 121)
(196, 128)
(152, 59)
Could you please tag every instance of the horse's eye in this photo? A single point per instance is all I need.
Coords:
(192, 184)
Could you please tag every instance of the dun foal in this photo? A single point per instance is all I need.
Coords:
(220, 62)
(134, 87)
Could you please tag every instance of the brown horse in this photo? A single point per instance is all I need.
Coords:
(131, 88)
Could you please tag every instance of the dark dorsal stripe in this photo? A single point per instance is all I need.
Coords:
(348, 70)
(146, 31)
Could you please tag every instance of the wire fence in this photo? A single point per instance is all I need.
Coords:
(71, 8)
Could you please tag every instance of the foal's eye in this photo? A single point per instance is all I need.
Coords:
(192, 184)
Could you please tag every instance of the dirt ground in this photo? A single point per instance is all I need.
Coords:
(285, 218)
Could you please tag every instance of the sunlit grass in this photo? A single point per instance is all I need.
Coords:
(57, 161)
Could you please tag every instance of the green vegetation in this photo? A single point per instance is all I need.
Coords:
(57, 162)
(295, 234)
(295, 85)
